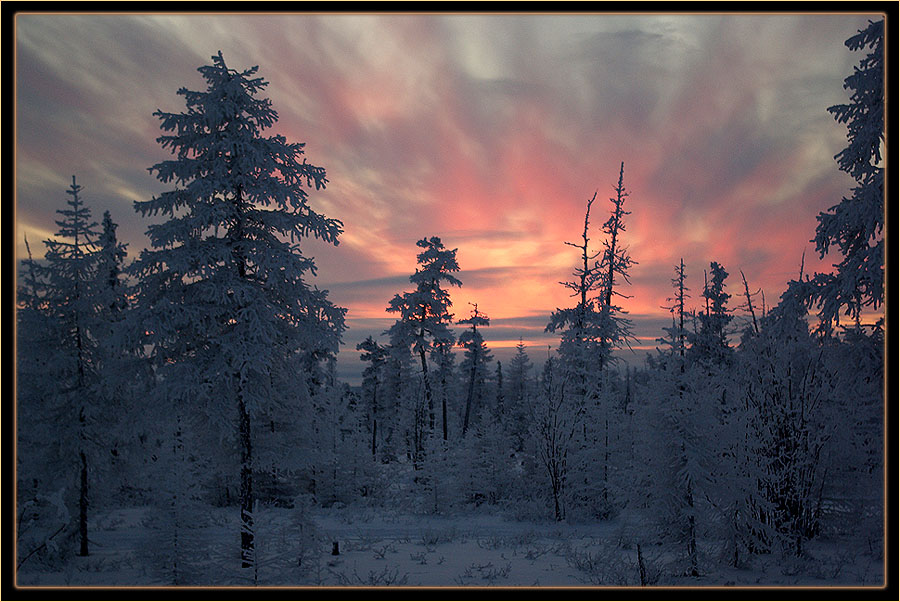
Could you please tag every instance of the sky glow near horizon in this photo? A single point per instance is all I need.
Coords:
(489, 131)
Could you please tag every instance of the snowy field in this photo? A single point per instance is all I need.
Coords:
(378, 548)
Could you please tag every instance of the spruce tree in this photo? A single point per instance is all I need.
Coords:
(43, 517)
(614, 328)
(111, 256)
(677, 340)
(399, 391)
(442, 354)
(424, 316)
(710, 342)
(519, 391)
(579, 326)
(855, 224)
(69, 279)
(122, 374)
(225, 302)
(474, 363)
(377, 356)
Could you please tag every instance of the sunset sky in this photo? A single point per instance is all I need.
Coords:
(489, 131)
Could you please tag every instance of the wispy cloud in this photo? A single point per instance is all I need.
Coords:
(490, 131)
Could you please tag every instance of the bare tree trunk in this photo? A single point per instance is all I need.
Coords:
(82, 424)
(418, 433)
(641, 566)
(749, 303)
(83, 487)
(82, 507)
(428, 400)
(247, 549)
(177, 460)
(556, 493)
(470, 396)
(444, 414)
(374, 416)
(692, 535)
(606, 459)
(618, 214)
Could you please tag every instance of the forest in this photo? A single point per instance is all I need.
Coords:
(179, 420)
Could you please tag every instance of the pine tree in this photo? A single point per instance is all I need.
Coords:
(336, 452)
(43, 520)
(424, 316)
(399, 391)
(70, 277)
(110, 269)
(677, 341)
(580, 325)
(684, 453)
(855, 224)
(477, 357)
(499, 406)
(223, 291)
(615, 328)
(710, 342)
(377, 356)
(519, 390)
(785, 388)
(70, 307)
(485, 471)
(121, 374)
(442, 354)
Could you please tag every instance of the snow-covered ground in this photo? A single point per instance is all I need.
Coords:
(378, 547)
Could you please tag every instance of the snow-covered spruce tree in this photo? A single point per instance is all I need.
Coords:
(445, 376)
(116, 358)
(399, 393)
(855, 224)
(705, 484)
(789, 419)
(376, 355)
(709, 344)
(590, 332)
(853, 407)
(342, 466)
(33, 339)
(680, 455)
(474, 364)
(424, 316)
(69, 277)
(615, 328)
(714, 383)
(519, 388)
(485, 474)
(576, 382)
(739, 500)
(223, 294)
(681, 459)
(111, 256)
(579, 326)
(44, 526)
(70, 379)
(615, 332)
(676, 342)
